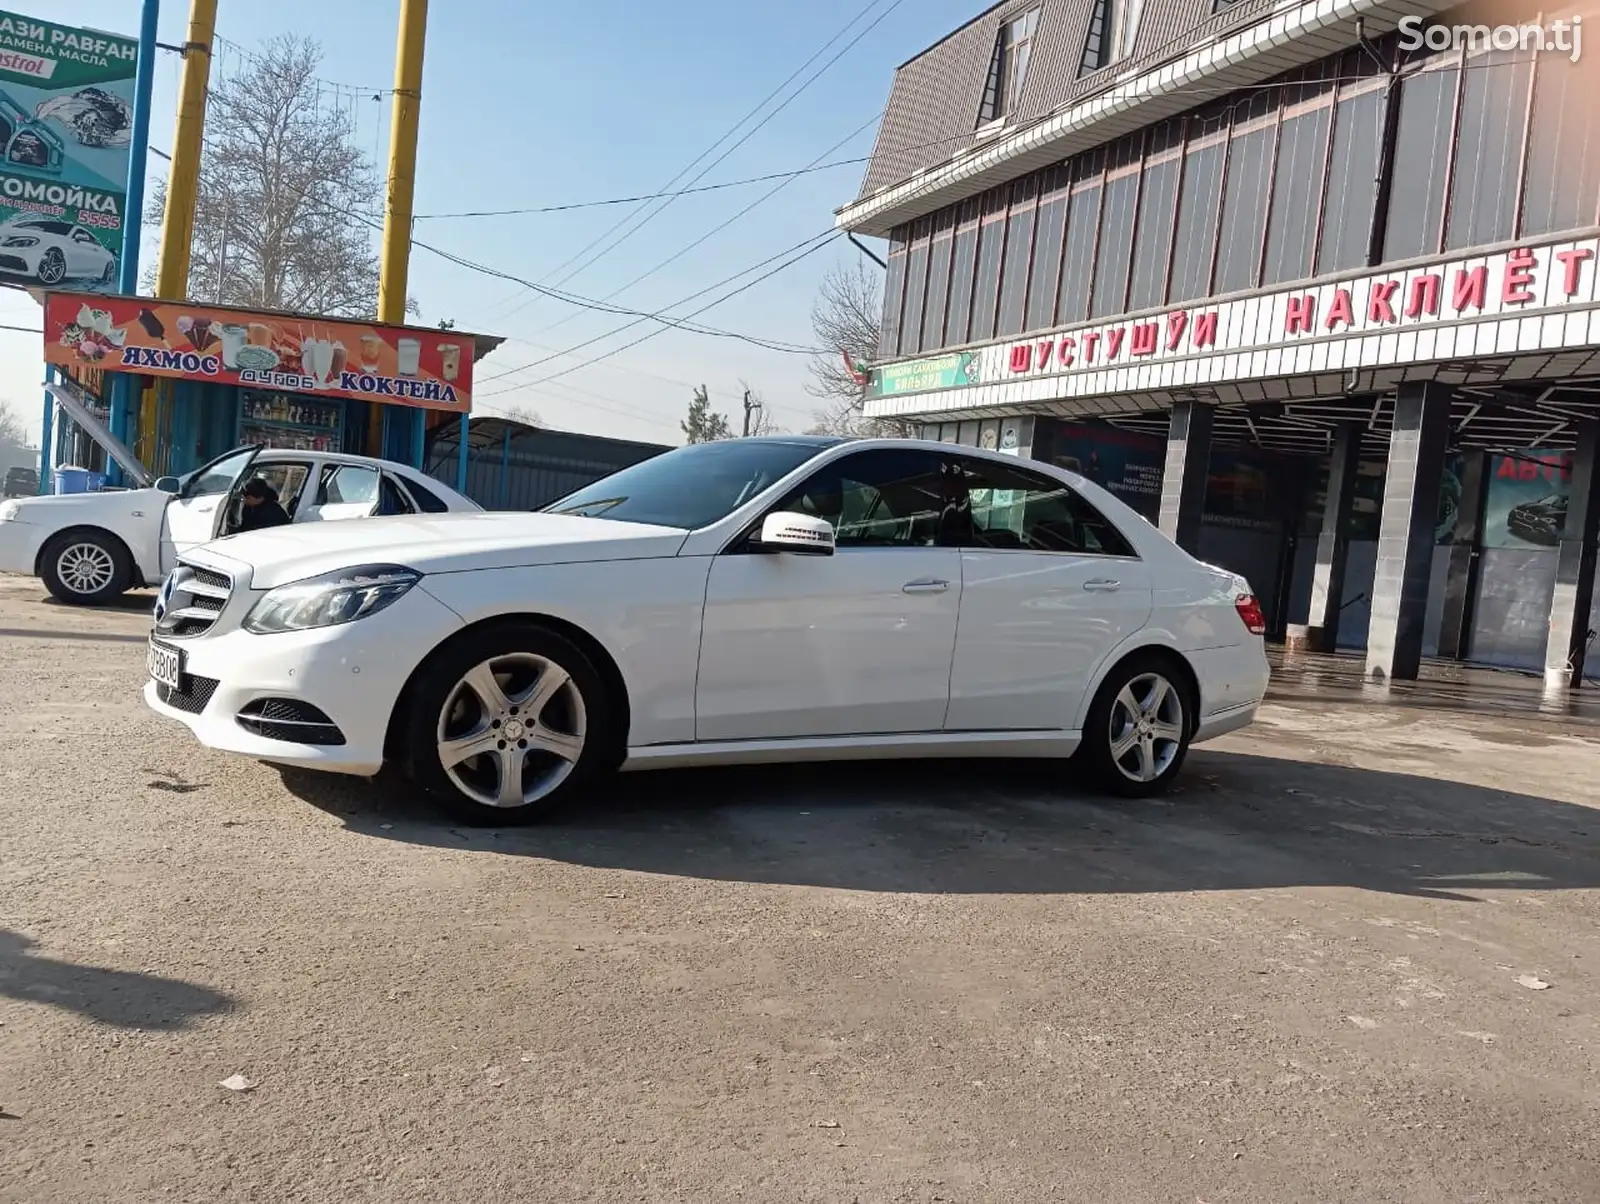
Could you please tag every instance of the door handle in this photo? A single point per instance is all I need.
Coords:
(1103, 585)
(924, 585)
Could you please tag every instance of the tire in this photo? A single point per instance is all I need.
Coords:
(109, 276)
(52, 267)
(473, 697)
(1144, 709)
(86, 568)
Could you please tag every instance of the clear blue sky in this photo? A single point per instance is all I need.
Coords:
(546, 104)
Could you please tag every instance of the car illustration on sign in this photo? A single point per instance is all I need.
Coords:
(1539, 521)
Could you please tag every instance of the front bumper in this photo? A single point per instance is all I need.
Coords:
(19, 546)
(352, 673)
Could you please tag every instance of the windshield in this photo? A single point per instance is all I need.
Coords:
(690, 487)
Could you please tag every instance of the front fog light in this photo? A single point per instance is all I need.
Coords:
(342, 596)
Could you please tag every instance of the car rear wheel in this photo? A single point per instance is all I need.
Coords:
(86, 568)
(505, 724)
(1137, 732)
(109, 276)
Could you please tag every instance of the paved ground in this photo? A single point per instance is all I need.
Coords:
(1318, 974)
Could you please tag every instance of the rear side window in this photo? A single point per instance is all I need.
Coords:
(1016, 509)
(427, 501)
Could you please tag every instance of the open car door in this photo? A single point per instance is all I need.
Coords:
(196, 513)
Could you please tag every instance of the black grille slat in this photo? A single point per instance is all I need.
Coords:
(194, 696)
(286, 710)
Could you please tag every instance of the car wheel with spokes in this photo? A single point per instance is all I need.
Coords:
(86, 568)
(506, 723)
(52, 267)
(1138, 728)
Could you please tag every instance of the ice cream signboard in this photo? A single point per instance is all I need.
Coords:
(330, 357)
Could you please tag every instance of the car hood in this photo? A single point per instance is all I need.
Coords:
(438, 543)
(55, 509)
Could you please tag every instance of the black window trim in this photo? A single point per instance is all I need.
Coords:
(1133, 551)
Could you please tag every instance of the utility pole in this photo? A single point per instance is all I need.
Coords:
(395, 259)
(183, 180)
(749, 406)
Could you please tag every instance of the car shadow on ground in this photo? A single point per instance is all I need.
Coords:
(120, 998)
(1234, 822)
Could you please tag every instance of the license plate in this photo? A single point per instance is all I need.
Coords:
(166, 665)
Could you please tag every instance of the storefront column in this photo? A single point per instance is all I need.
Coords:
(1333, 543)
(1573, 601)
(1466, 554)
(1183, 479)
(47, 434)
(1406, 530)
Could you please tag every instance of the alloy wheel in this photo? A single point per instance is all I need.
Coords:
(511, 730)
(85, 568)
(52, 268)
(1146, 730)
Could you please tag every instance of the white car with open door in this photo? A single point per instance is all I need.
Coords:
(748, 600)
(91, 548)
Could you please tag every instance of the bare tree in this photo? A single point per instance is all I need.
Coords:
(845, 322)
(522, 414)
(761, 420)
(13, 433)
(288, 206)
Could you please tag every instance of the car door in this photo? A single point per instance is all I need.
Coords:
(1049, 587)
(81, 249)
(194, 515)
(855, 643)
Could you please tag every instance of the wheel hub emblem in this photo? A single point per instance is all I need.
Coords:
(513, 729)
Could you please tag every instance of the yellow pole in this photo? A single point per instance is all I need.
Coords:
(183, 181)
(402, 161)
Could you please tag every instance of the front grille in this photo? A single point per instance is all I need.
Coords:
(290, 720)
(194, 696)
(190, 601)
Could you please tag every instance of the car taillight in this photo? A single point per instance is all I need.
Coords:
(1250, 614)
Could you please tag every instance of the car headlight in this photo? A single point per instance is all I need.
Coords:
(21, 240)
(9, 510)
(342, 596)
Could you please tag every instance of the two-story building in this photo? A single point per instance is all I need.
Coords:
(1312, 284)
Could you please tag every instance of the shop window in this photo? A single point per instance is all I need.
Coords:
(1421, 158)
(1296, 185)
(1244, 203)
(1152, 244)
(1049, 229)
(938, 282)
(1083, 227)
(916, 289)
(991, 243)
(1019, 250)
(1562, 181)
(1494, 115)
(1195, 234)
(1008, 68)
(894, 286)
(1113, 26)
(1014, 509)
(1352, 191)
(963, 265)
(1114, 254)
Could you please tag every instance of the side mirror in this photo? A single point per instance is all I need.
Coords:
(806, 534)
(167, 484)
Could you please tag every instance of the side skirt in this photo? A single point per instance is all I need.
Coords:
(891, 746)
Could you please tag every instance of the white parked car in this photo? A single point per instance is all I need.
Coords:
(753, 600)
(52, 251)
(91, 548)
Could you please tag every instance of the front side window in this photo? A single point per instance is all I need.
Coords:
(689, 487)
(1014, 509)
(883, 498)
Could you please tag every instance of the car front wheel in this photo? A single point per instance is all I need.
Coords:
(52, 267)
(506, 723)
(1138, 728)
(86, 568)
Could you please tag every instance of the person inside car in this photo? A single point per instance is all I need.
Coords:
(261, 509)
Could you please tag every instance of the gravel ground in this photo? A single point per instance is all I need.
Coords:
(1355, 959)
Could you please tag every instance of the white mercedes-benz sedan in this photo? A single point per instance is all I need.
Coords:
(752, 600)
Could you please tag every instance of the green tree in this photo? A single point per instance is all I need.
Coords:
(703, 424)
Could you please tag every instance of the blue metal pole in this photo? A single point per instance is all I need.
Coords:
(505, 467)
(122, 384)
(47, 434)
(461, 458)
(419, 439)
